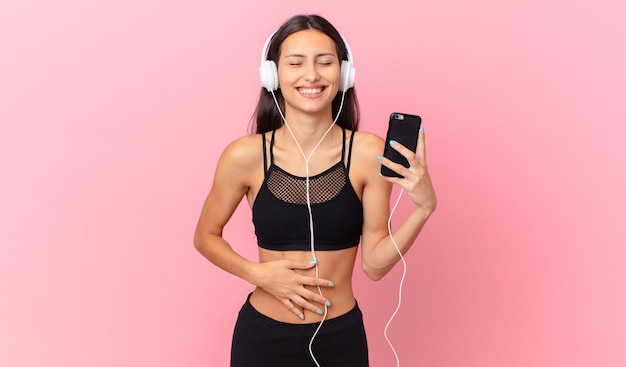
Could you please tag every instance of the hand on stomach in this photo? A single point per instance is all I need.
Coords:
(287, 286)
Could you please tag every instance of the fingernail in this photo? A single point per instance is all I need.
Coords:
(301, 317)
(392, 142)
(319, 312)
(313, 262)
(380, 158)
(331, 284)
(422, 129)
(327, 303)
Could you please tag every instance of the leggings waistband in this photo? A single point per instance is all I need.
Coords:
(248, 311)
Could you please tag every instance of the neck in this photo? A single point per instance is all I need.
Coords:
(308, 131)
(307, 144)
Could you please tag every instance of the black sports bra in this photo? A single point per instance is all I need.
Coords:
(281, 217)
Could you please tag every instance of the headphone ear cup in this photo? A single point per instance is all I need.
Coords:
(268, 75)
(347, 75)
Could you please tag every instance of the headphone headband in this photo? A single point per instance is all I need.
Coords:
(266, 46)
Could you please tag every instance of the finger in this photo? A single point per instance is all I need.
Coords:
(305, 280)
(421, 146)
(291, 307)
(313, 296)
(406, 152)
(319, 299)
(301, 264)
(396, 167)
(399, 147)
(313, 301)
(304, 299)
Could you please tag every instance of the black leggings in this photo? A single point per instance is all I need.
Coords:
(259, 341)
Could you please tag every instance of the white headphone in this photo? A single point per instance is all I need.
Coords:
(268, 72)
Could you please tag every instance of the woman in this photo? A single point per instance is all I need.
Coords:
(316, 193)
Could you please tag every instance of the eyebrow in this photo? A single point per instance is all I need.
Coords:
(318, 55)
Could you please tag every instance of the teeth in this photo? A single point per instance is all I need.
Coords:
(310, 90)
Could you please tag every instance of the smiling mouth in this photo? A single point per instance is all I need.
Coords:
(310, 91)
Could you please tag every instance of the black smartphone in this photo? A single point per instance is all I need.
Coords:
(403, 128)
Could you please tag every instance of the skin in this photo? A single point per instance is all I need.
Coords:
(286, 287)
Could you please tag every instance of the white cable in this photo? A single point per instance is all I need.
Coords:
(401, 279)
(308, 199)
(308, 204)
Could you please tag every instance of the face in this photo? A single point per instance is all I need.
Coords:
(308, 72)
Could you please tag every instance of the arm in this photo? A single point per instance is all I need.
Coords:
(233, 177)
(230, 184)
(379, 254)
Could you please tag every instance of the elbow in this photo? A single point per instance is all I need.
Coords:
(374, 273)
(198, 242)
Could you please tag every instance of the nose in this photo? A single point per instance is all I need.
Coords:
(311, 73)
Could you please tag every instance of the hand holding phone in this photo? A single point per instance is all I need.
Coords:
(403, 128)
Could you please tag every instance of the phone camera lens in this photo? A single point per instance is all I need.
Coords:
(398, 116)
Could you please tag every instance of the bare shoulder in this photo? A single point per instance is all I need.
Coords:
(244, 152)
(367, 145)
(365, 151)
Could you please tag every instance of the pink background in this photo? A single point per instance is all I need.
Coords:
(113, 115)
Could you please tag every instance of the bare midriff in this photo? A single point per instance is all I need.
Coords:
(335, 266)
